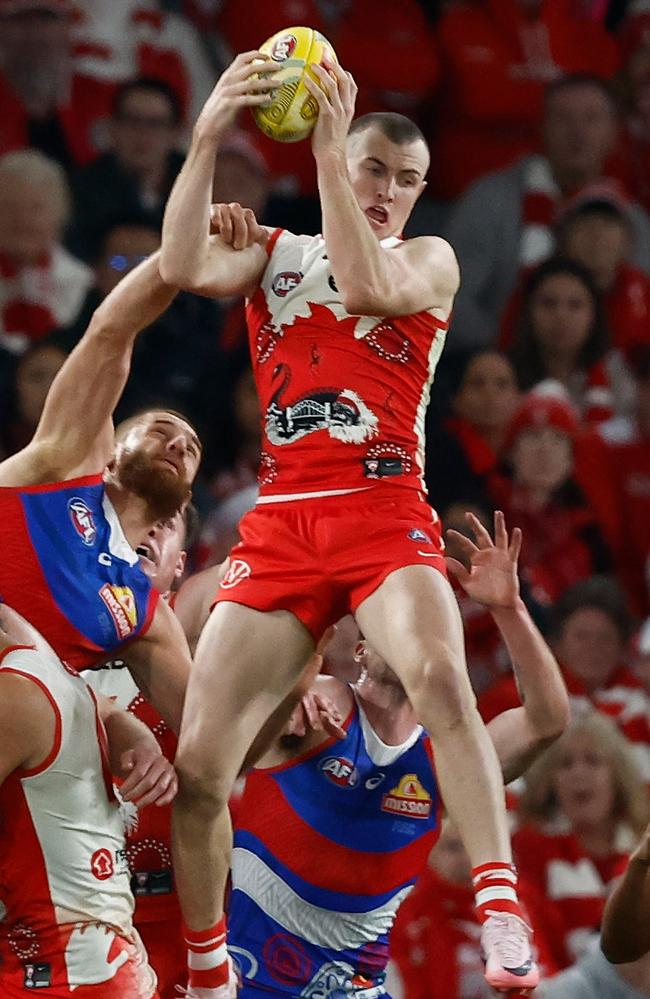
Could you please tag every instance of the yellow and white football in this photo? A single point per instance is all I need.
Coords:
(293, 111)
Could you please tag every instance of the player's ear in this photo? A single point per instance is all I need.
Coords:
(180, 565)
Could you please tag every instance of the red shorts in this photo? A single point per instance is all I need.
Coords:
(321, 558)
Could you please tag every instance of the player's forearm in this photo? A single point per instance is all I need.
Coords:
(538, 675)
(358, 262)
(135, 303)
(625, 932)
(186, 225)
(124, 732)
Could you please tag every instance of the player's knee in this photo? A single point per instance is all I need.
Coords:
(200, 786)
(441, 692)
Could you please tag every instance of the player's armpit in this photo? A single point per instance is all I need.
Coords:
(160, 663)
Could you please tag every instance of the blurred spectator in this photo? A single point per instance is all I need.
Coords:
(176, 361)
(614, 470)
(633, 161)
(591, 632)
(594, 976)
(583, 808)
(241, 173)
(434, 943)
(561, 334)
(45, 103)
(263, 20)
(41, 285)
(221, 528)
(468, 448)
(232, 462)
(504, 221)
(23, 400)
(497, 57)
(115, 42)
(563, 543)
(137, 173)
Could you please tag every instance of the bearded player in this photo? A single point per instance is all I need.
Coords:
(345, 331)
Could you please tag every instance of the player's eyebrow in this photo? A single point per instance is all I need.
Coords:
(171, 423)
(409, 170)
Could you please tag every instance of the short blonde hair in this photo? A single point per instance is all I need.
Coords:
(631, 801)
(35, 168)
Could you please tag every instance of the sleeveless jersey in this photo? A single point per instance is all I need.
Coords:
(326, 848)
(64, 880)
(343, 397)
(67, 567)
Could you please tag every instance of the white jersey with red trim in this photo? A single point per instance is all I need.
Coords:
(64, 879)
(343, 397)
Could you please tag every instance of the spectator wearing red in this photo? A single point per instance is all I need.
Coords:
(434, 943)
(613, 466)
(497, 57)
(41, 285)
(632, 162)
(582, 811)
(592, 627)
(561, 334)
(540, 495)
(46, 105)
(466, 451)
(505, 222)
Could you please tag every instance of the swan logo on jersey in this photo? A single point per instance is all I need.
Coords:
(285, 282)
(82, 520)
(101, 864)
(283, 48)
(340, 771)
(408, 798)
(341, 412)
(122, 607)
(237, 573)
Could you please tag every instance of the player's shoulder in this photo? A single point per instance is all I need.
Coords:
(436, 255)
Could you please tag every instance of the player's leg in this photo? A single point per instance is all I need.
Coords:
(246, 663)
(413, 622)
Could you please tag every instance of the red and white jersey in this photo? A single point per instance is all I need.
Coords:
(343, 397)
(64, 880)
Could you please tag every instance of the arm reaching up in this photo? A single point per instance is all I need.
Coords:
(191, 257)
(521, 734)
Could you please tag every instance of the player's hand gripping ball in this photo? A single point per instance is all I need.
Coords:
(292, 111)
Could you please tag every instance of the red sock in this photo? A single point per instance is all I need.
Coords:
(495, 890)
(207, 957)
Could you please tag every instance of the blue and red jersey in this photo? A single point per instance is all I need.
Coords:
(67, 567)
(326, 848)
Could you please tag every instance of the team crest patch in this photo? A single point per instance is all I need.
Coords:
(237, 573)
(415, 534)
(122, 607)
(408, 798)
(82, 520)
(340, 771)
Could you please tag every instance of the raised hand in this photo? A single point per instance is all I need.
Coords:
(237, 226)
(239, 86)
(336, 97)
(492, 575)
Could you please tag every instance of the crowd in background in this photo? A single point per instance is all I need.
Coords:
(538, 117)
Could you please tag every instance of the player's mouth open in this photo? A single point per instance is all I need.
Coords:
(147, 556)
(377, 214)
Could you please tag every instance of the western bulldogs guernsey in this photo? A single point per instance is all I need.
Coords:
(64, 880)
(343, 397)
(326, 848)
(67, 567)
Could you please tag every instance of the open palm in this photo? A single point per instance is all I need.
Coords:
(492, 575)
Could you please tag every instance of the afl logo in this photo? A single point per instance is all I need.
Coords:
(283, 48)
(237, 573)
(285, 282)
(82, 520)
(340, 771)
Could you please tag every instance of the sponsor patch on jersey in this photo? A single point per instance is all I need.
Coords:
(237, 573)
(37, 976)
(382, 468)
(416, 534)
(121, 605)
(82, 520)
(285, 282)
(340, 771)
(101, 864)
(409, 798)
(284, 48)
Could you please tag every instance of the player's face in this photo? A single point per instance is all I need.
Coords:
(387, 178)
(584, 783)
(162, 557)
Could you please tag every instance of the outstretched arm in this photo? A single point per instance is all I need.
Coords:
(75, 433)
(160, 664)
(519, 735)
(191, 257)
(625, 933)
(373, 281)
